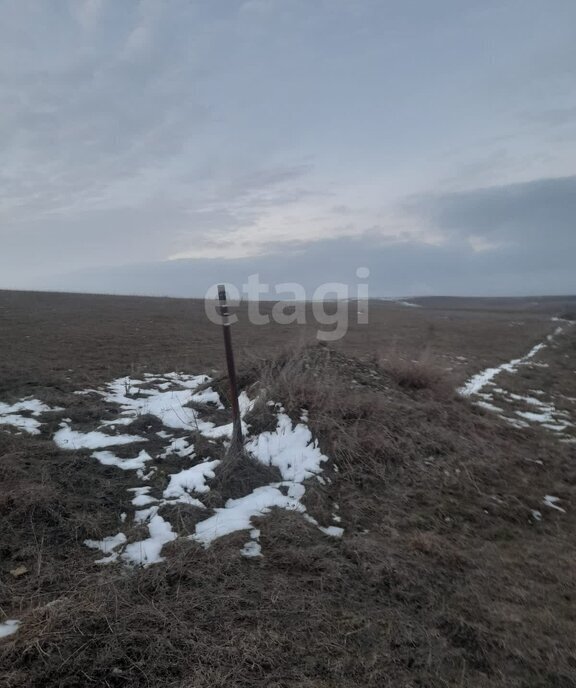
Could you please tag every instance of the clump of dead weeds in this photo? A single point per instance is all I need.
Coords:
(237, 475)
(344, 400)
(417, 375)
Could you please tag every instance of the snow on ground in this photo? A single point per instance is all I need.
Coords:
(291, 448)
(141, 496)
(8, 627)
(238, 513)
(251, 549)
(179, 447)
(177, 402)
(552, 502)
(191, 480)
(146, 552)
(409, 304)
(66, 438)
(107, 545)
(476, 383)
(11, 414)
(107, 458)
(168, 400)
(482, 389)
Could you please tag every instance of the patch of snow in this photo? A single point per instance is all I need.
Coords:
(536, 417)
(477, 382)
(146, 552)
(488, 406)
(237, 514)
(29, 425)
(8, 627)
(245, 403)
(527, 399)
(556, 427)
(145, 476)
(33, 406)
(290, 448)
(11, 414)
(141, 496)
(107, 458)
(212, 431)
(168, 406)
(117, 421)
(191, 480)
(106, 545)
(66, 438)
(208, 396)
(179, 447)
(552, 502)
(554, 334)
(188, 381)
(143, 515)
(333, 531)
(251, 549)
(108, 559)
(515, 422)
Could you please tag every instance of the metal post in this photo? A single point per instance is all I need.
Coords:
(237, 434)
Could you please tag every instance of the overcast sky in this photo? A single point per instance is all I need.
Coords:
(158, 146)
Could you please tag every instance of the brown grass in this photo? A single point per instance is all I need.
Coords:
(238, 475)
(442, 578)
(415, 375)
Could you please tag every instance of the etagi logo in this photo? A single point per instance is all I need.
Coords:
(330, 305)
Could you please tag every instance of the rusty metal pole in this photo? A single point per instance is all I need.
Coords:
(236, 418)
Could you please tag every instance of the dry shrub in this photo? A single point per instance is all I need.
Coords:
(300, 378)
(418, 375)
(239, 474)
(344, 415)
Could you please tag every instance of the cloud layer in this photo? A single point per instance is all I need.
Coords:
(507, 240)
(433, 139)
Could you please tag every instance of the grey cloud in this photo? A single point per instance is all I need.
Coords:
(85, 116)
(396, 268)
(535, 219)
(134, 131)
(553, 117)
(160, 225)
(531, 228)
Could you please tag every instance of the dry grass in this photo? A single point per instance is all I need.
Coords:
(442, 578)
(423, 373)
(238, 475)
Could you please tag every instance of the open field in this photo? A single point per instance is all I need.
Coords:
(396, 532)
